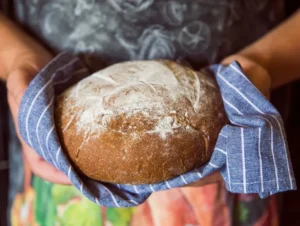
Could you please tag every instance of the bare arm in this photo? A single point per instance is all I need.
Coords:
(17, 47)
(278, 52)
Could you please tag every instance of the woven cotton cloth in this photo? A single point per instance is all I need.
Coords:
(251, 152)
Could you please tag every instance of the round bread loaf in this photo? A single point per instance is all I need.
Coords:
(140, 122)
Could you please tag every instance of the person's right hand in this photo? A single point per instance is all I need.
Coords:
(21, 58)
(17, 82)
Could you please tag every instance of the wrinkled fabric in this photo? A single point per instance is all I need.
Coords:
(251, 152)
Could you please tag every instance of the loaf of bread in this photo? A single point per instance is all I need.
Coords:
(140, 122)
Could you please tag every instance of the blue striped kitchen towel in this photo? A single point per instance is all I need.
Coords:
(251, 152)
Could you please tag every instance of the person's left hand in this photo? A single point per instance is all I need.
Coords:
(260, 78)
(255, 72)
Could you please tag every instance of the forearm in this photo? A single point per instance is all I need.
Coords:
(279, 52)
(14, 44)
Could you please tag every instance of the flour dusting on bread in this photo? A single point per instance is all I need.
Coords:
(149, 88)
(140, 122)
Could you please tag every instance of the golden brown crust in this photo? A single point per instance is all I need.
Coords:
(128, 152)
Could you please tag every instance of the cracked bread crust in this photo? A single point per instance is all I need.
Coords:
(147, 131)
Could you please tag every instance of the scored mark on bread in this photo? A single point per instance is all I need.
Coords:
(78, 86)
(86, 138)
(147, 109)
(197, 101)
(108, 79)
(106, 93)
(150, 85)
(69, 123)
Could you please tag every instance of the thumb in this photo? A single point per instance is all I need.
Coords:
(17, 83)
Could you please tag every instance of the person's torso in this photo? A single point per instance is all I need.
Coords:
(200, 31)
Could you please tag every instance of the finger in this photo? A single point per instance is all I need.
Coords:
(17, 84)
(206, 202)
(49, 173)
(14, 109)
(43, 169)
(255, 72)
(15, 94)
(168, 208)
(142, 216)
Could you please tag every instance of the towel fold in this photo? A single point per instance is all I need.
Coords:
(251, 152)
